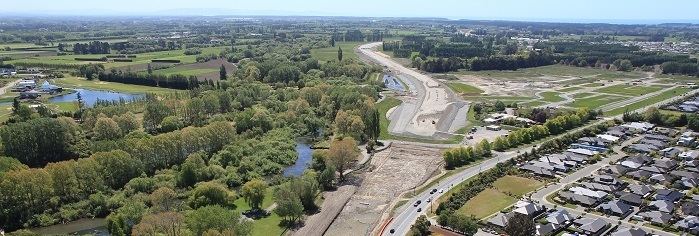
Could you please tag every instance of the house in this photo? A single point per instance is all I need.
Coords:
(7, 71)
(579, 199)
(500, 220)
(689, 155)
(641, 190)
(609, 138)
(670, 152)
(545, 229)
(598, 186)
(560, 217)
(623, 231)
(616, 208)
(641, 148)
(591, 227)
(639, 174)
(670, 195)
(631, 199)
(656, 217)
(588, 192)
(685, 141)
(582, 151)
(667, 164)
(593, 141)
(616, 170)
(528, 208)
(684, 174)
(690, 208)
(659, 137)
(657, 144)
(689, 224)
(493, 127)
(662, 206)
(46, 87)
(608, 180)
(653, 169)
(661, 179)
(638, 127)
(686, 183)
(537, 170)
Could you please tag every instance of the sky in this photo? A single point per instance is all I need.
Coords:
(612, 11)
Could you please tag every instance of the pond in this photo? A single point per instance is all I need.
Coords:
(303, 148)
(393, 83)
(91, 96)
(95, 226)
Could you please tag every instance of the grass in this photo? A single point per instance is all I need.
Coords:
(555, 70)
(623, 89)
(516, 185)
(569, 89)
(582, 95)
(141, 58)
(383, 108)
(551, 97)
(464, 88)
(184, 71)
(649, 101)
(595, 101)
(269, 225)
(486, 203)
(76, 82)
(330, 53)
(504, 99)
(534, 103)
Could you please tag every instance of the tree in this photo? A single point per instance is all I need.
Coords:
(339, 53)
(326, 178)
(288, 205)
(24, 193)
(192, 170)
(211, 193)
(212, 217)
(342, 153)
(118, 167)
(150, 69)
(164, 223)
(520, 225)
(349, 125)
(222, 73)
(499, 106)
(332, 41)
(421, 227)
(254, 192)
(106, 129)
(163, 199)
(51, 140)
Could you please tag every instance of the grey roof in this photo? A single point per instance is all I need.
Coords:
(591, 225)
(686, 174)
(640, 189)
(537, 170)
(660, 137)
(661, 178)
(639, 174)
(545, 229)
(666, 163)
(629, 232)
(631, 198)
(584, 200)
(670, 195)
(501, 219)
(616, 207)
(663, 205)
(690, 222)
(656, 217)
(690, 208)
(559, 217)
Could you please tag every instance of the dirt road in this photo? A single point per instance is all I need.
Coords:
(429, 110)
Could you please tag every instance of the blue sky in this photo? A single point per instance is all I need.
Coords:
(570, 10)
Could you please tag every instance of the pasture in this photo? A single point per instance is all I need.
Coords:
(330, 53)
(629, 90)
(595, 101)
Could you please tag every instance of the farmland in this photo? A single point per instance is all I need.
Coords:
(330, 53)
(623, 89)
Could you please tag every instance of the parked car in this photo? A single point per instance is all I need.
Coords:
(417, 203)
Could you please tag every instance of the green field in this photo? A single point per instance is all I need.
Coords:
(383, 108)
(464, 88)
(499, 197)
(569, 89)
(551, 97)
(505, 99)
(582, 95)
(595, 101)
(534, 103)
(516, 185)
(650, 101)
(184, 71)
(624, 89)
(589, 74)
(330, 53)
(140, 60)
(76, 82)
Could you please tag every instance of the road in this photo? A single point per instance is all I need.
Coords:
(408, 213)
(429, 110)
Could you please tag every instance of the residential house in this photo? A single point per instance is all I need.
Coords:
(500, 220)
(689, 155)
(641, 190)
(656, 217)
(689, 224)
(560, 218)
(689, 208)
(670, 195)
(670, 152)
(661, 179)
(591, 227)
(588, 192)
(666, 164)
(638, 127)
(579, 199)
(631, 198)
(545, 229)
(639, 174)
(527, 208)
(616, 208)
(623, 231)
(662, 206)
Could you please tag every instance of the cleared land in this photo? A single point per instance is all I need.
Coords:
(569, 89)
(330, 53)
(464, 89)
(555, 70)
(504, 193)
(582, 95)
(624, 89)
(595, 101)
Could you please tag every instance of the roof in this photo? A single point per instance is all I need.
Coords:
(641, 126)
(666, 163)
(582, 151)
(559, 217)
(528, 208)
(671, 195)
(501, 219)
(585, 200)
(545, 229)
(629, 232)
(689, 222)
(690, 208)
(588, 192)
(663, 205)
(656, 217)
(640, 189)
(616, 206)
(631, 198)
(608, 137)
(591, 225)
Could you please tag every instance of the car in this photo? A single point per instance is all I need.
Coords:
(417, 203)
(441, 190)
(434, 190)
(428, 200)
(392, 231)
(474, 129)
(419, 209)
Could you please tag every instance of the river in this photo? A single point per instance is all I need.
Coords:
(303, 149)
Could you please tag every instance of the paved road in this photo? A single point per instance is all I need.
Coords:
(408, 213)
(429, 110)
